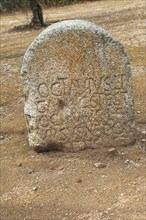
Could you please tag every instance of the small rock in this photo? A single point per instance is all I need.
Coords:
(91, 189)
(126, 161)
(143, 140)
(122, 153)
(135, 164)
(79, 180)
(132, 162)
(35, 188)
(112, 151)
(30, 171)
(100, 165)
(61, 167)
(103, 176)
(2, 137)
(138, 112)
(19, 164)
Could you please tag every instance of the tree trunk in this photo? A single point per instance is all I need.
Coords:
(37, 19)
(46, 2)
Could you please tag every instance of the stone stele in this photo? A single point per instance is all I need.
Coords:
(78, 89)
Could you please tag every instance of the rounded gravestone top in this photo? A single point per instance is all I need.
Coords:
(77, 86)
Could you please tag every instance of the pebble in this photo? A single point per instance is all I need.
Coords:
(2, 137)
(91, 189)
(30, 171)
(143, 132)
(35, 188)
(126, 161)
(138, 112)
(100, 165)
(112, 151)
(122, 153)
(143, 140)
(103, 176)
(79, 180)
(61, 167)
(132, 162)
(19, 164)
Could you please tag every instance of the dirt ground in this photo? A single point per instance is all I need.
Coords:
(69, 186)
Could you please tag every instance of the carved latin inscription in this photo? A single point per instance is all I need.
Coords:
(63, 86)
(54, 109)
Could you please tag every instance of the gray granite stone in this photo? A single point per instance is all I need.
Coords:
(78, 89)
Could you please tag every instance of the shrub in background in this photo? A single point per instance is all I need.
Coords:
(8, 5)
(12, 5)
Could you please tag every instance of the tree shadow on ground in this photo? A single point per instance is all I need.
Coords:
(26, 27)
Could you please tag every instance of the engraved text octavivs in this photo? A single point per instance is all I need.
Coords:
(82, 93)
(76, 102)
(68, 86)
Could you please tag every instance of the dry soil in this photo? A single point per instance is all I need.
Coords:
(70, 186)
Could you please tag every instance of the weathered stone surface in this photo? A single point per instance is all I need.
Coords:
(77, 85)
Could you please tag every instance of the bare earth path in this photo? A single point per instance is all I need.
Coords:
(68, 186)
